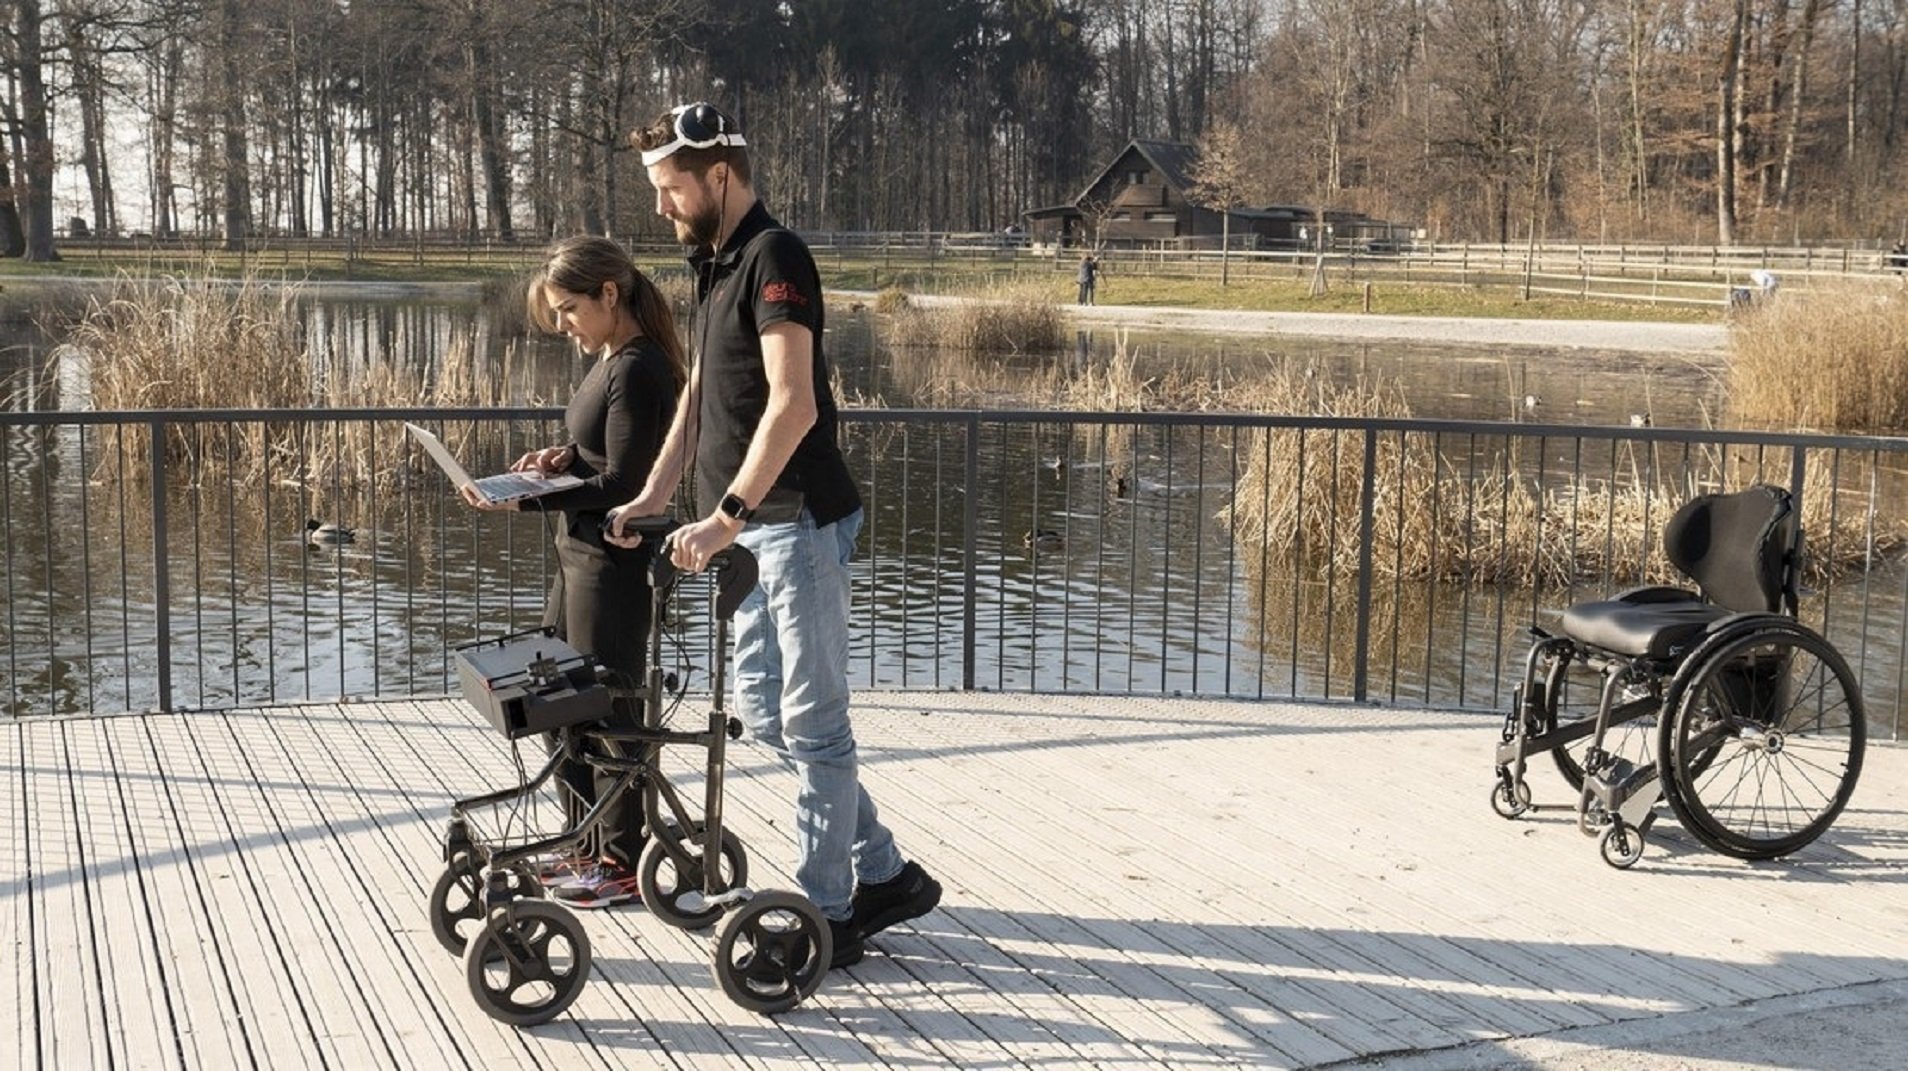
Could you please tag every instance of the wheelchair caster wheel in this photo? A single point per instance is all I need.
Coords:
(773, 952)
(666, 881)
(1508, 800)
(1622, 845)
(457, 901)
(528, 963)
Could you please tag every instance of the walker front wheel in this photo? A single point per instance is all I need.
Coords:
(457, 901)
(773, 952)
(528, 963)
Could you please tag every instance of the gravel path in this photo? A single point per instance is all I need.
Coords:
(1633, 336)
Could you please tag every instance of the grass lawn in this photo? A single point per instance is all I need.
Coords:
(1275, 294)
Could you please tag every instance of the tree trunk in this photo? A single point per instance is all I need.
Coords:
(237, 168)
(36, 138)
(1785, 181)
(490, 140)
(1726, 133)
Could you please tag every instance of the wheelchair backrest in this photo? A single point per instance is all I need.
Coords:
(1740, 549)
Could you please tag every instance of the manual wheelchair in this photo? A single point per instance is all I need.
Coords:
(1718, 702)
(526, 959)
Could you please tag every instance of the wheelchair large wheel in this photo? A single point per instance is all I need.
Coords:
(773, 952)
(665, 883)
(1572, 692)
(457, 901)
(1765, 744)
(528, 963)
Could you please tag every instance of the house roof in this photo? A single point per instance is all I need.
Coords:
(1173, 159)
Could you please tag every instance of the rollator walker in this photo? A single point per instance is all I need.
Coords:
(525, 958)
(1717, 701)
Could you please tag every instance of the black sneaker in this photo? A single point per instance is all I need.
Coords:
(847, 942)
(908, 895)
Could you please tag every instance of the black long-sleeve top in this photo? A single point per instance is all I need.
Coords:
(617, 420)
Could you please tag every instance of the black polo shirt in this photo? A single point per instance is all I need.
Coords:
(763, 276)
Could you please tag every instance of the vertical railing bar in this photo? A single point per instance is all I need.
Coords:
(1432, 576)
(1035, 557)
(125, 567)
(1798, 474)
(86, 573)
(231, 550)
(1099, 564)
(1609, 521)
(1537, 550)
(1835, 514)
(374, 525)
(907, 530)
(1298, 557)
(161, 577)
(1506, 476)
(411, 466)
(1066, 562)
(1132, 564)
(1397, 567)
(1264, 613)
(13, 599)
(1000, 559)
(1576, 517)
(871, 537)
(1166, 560)
(1232, 553)
(1367, 504)
(1868, 560)
(271, 574)
(338, 557)
(304, 559)
(1470, 548)
(196, 481)
(52, 609)
(1198, 499)
(1331, 560)
(970, 552)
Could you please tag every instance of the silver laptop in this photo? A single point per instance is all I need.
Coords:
(503, 487)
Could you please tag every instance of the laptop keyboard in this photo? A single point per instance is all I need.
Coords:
(509, 485)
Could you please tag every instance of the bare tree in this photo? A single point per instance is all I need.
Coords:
(1223, 181)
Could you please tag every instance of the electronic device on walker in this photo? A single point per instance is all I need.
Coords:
(526, 959)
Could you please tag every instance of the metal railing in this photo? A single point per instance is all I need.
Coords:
(1017, 551)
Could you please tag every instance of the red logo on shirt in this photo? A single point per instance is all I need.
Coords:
(785, 293)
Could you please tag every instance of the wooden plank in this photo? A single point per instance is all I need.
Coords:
(72, 1021)
(20, 957)
(138, 1001)
(410, 1030)
(380, 831)
(269, 990)
(210, 1031)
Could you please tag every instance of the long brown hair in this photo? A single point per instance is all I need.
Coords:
(582, 265)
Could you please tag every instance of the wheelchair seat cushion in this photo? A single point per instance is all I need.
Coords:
(1655, 630)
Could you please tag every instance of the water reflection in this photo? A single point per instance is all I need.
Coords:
(1146, 587)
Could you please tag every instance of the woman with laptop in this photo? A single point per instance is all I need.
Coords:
(590, 290)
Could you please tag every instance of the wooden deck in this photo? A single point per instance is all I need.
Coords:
(1131, 883)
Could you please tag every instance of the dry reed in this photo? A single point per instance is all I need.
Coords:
(1831, 359)
(1000, 319)
(203, 343)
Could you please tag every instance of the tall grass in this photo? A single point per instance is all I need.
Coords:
(1004, 318)
(1830, 359)
(204, 343)
(1479, 517)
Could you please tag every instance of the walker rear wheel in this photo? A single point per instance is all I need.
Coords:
(773, 952)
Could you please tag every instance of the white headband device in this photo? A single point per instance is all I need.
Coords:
(652, 157)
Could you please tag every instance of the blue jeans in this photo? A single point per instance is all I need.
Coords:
(791, 690)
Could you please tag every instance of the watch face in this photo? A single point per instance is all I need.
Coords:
(733, 506)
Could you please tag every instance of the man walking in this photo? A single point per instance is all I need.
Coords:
(1089, 268)
(762, 417)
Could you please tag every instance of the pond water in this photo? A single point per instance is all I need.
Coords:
(1147, 587)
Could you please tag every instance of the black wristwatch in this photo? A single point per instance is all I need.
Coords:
(734, 508)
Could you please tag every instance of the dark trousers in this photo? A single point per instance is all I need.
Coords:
(600, 604)
(1086, 294)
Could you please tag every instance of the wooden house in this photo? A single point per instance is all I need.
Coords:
(1143, 198)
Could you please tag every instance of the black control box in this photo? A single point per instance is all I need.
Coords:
(531, 682)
